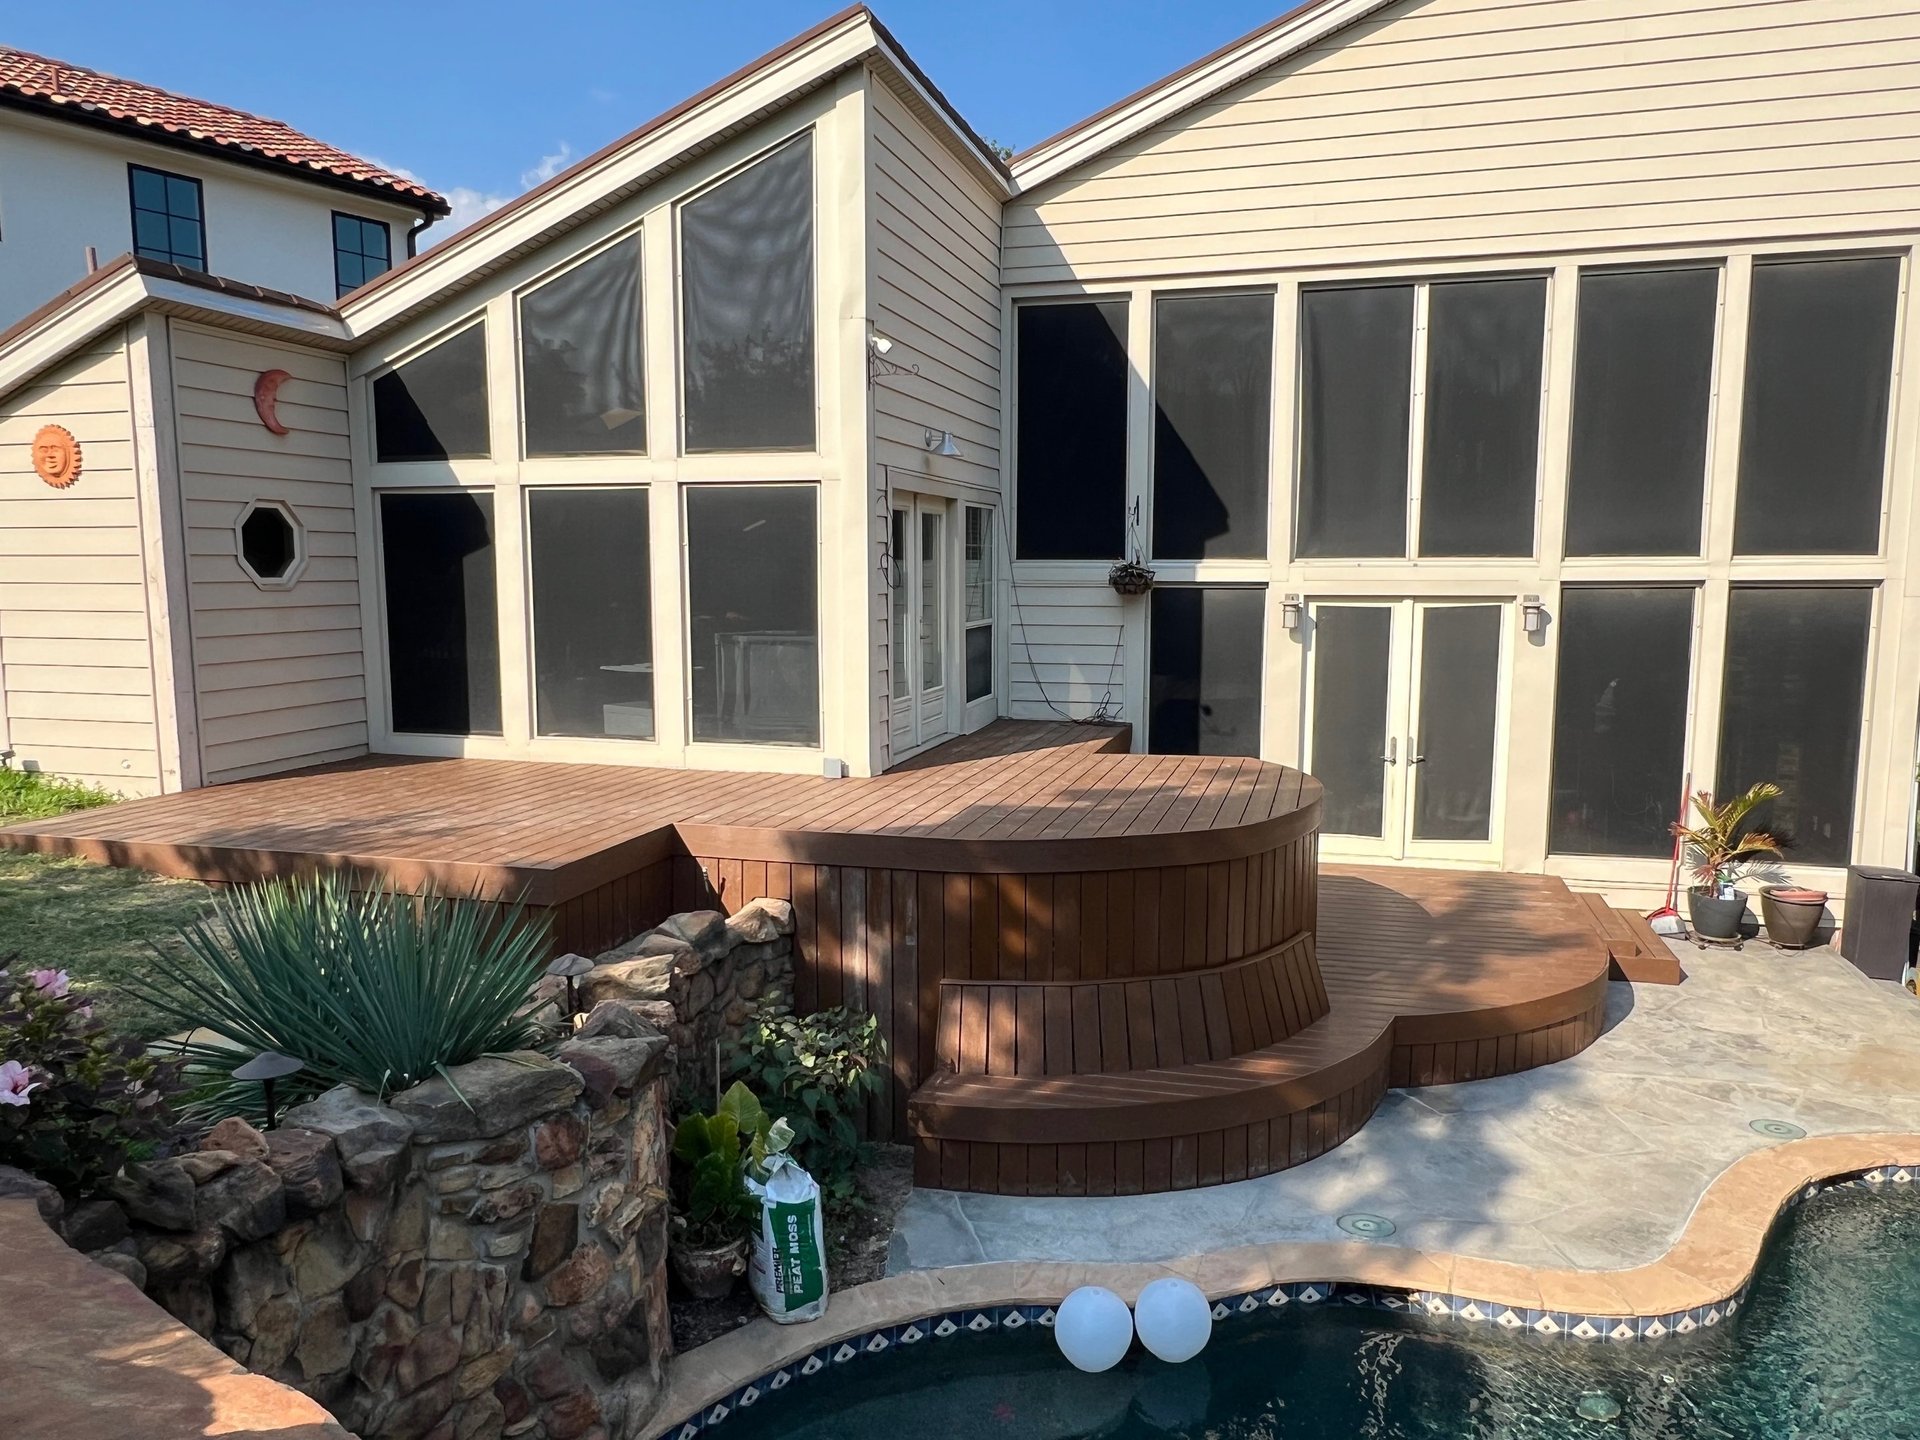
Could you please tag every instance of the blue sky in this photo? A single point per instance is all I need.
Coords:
(481, 100)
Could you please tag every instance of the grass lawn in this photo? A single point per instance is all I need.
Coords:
(92, 921)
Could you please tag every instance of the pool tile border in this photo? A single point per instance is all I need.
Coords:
(1701, 1282)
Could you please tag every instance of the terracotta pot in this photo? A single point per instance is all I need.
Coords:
(708, 1272)
(1792, 916)
(1715, 918)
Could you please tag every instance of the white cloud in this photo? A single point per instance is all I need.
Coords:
(470, 204)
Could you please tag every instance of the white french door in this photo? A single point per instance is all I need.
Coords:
(1406, 726)
(923, 586)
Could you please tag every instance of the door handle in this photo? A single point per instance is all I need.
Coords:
(1392, 757)
(1414, 757)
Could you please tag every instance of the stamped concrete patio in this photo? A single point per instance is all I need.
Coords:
(1594, 1163)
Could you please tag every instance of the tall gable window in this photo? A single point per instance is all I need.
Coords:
(1356, 402)
(746, 254)
(1213, 414)
(169, 222)
(362, 249)
(443, 637)
(1071, 430)
(580, 358)
(1813, 434)
(434, 406)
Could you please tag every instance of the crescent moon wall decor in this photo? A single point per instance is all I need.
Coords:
(266, 399)
(56, 456)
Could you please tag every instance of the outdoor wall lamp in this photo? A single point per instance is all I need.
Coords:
(1290, 611)
(940, 442)
(1533, 615)
(879, 347)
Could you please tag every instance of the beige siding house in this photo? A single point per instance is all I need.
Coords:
(1509, 399)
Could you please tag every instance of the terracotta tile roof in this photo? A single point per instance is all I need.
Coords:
(53, 86)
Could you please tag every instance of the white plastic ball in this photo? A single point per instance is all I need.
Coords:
(1093, 1328)
(1173, 1318)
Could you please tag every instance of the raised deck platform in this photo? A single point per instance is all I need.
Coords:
(1100, 971)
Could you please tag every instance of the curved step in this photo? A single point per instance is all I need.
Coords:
(1038, 1028)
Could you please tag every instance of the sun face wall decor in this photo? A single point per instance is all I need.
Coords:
(56, 456)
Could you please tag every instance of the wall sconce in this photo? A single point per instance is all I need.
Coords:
(1290, 612)
(879, 347)
(940, 442)
(1533, 615)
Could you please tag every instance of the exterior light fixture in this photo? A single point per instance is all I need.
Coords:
(1533, 615)
(571, 967)
(881, 344)
(879, 347)
(1290, 612)
(267, 1067)
(940, 442)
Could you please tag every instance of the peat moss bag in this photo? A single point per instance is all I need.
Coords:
(789, 1268)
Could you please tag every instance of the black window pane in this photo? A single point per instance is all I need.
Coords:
(1352, 658)
(592, 612)
(979, 662)
(150, 232)
(1791, 712)
(752, 610)
(1620, 719)
(1813, 430)
(443, 644)
(267, 542)
(149, 189)
(1485, 343)
(1458, 722)
(746, 250)
(434, 406)
(1356, 396)
(1203, 685)
(580, 358)
(183, 197)
(1212, 391)
(346, 232)
(1642, 388)
(1071, 430)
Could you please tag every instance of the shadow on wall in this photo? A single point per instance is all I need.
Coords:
(99, 1352)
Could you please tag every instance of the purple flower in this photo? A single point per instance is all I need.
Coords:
(14, 1084)
(55, 983)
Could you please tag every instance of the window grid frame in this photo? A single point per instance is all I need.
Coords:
(135, 209)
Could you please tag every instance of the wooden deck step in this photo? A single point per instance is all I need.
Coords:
(1636, 952)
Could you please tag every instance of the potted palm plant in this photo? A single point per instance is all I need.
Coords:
(1720, 847)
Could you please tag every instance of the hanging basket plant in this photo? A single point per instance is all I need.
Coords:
(1130, 577)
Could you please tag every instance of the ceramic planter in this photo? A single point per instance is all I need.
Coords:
(1792, 916)
(708, 1272)
(1713, 917)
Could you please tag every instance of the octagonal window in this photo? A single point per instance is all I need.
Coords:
(270, 541)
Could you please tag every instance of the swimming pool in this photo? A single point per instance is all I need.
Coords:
(1826, 1345)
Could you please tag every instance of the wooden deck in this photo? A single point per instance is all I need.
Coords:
(1097, 972)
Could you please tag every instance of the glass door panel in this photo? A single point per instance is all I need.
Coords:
(921, 615)
(1352, 723)
(930, 624)
(1456, 722)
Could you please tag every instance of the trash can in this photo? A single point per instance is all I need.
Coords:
(1879, 927)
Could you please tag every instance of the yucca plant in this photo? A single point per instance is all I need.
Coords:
(371, 988)
(1721, 845)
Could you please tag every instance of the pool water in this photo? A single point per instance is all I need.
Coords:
(1828, 1344)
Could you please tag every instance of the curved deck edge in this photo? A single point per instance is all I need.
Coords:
(1696, 1284)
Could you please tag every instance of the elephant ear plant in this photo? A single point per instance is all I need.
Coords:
(367, 988)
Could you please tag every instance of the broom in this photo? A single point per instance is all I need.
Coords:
(1666, 920)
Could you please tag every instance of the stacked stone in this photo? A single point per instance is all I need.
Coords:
(698, 977)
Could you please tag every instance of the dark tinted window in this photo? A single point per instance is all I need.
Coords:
(443, 644)
(752, 613)
(1485, 341)
(746, 255)
(580, 358)
(592, 612)
(1071, 433)
(1458, 722)
(1813, 433)
(1642, 388)
(1352, 671)
(434, 406)
(1213, 414)
(1356, 359)
(168, 222)
(267, 542)
(1795, 681)
(1620, 719)
(362, 249)
(1203, 695)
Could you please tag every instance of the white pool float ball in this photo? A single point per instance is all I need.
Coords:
(1173, 1318)
(1093, 1328)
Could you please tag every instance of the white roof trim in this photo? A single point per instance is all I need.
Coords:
(495, 239)
(1188, 88)
(990, 166)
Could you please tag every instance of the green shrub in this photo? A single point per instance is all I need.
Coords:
(75, 1104)
(36, 795)
(372, 989)
(712, 1205)
(817, 1072)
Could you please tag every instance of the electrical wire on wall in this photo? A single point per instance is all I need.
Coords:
(1105, 712)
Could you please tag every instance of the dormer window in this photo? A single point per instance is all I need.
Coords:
(168, 220)
(362, 249)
